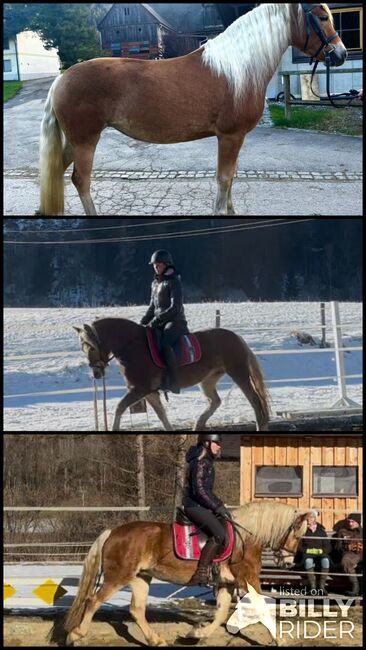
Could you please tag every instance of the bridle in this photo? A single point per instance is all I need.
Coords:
(314, 23)
(93, 339)
(286, 535)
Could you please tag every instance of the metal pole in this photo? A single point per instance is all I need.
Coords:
(343, 401)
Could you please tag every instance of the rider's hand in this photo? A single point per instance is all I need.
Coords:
(223, 512)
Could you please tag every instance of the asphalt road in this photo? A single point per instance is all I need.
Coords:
(280, 172)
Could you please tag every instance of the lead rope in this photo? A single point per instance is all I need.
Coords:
(105, 405)
(96, 405)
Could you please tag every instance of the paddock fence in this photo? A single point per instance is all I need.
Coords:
(50, 582)
(342, 406)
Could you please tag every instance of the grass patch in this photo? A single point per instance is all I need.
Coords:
(346, 121)
(11, 88)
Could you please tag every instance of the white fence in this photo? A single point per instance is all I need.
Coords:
(344, 405)
(52, 583)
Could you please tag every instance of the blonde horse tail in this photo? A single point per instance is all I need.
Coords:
(87, 584)
(51, 160)
(257, 381)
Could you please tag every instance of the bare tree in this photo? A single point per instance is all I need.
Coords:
(141, 493)
(180, 469)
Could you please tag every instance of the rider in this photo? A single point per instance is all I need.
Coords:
(201, 505)
(166, 311)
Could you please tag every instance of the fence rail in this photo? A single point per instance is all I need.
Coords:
(342, 405)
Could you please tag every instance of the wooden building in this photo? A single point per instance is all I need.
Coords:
(322, 471)
(153, 31)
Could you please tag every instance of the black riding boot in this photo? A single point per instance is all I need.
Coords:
(172, 368)
(203, 571)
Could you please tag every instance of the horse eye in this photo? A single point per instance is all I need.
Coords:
(323, 18)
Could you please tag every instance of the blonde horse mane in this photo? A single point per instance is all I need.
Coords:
(265, 521)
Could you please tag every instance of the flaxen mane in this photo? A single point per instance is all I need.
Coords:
(267, 521)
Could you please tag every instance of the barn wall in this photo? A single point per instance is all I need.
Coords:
(307, 451)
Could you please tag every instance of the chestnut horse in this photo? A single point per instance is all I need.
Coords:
(134, 553)
(217, 90)
(223, 352)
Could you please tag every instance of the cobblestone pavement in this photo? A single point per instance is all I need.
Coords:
(280, 172)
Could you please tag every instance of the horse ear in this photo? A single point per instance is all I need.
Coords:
(78, 329)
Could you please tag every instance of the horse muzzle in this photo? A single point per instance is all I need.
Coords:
(98, 371)
(337, 56)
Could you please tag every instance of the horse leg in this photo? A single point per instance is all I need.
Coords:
(131, 398)
(105, 592)
(155, 401)
(246, 387)
(83, 164)
(140, 589)
(67, 155)
(230, 207)
(229, 148)
(208, 386)
(223, 600)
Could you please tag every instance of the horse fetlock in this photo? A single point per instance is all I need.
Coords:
(198, 632)
(74, 638)
(156, 641)
(116, 424)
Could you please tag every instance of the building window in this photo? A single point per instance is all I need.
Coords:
(348, 25)
(335, 481)
(7, 65)
(273, 480)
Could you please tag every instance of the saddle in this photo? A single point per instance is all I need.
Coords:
(188, 540)
(187, 349)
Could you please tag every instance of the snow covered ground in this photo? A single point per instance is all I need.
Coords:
(33, 386)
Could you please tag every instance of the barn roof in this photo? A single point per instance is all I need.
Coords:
(158, 17)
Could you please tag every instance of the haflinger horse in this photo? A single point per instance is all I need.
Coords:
(134, 553)
(222, 351)
(217, 90)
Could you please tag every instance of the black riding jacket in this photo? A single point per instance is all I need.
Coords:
(201, 479)
(166, 304)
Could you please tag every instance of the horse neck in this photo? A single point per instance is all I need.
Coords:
(116, 333)
(249, 51)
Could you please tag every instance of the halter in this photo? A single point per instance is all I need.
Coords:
(93, 339)
(314, 22)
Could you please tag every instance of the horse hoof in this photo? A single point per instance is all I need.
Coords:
(196, 633)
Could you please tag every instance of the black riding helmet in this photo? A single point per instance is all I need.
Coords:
(210, 437)
(161, 256)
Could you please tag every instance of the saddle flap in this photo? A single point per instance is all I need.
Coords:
(188, 542)
(187, 349)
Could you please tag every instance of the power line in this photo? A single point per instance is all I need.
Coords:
(61, 230)
(203, 232)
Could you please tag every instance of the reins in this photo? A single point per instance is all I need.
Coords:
(96, 405)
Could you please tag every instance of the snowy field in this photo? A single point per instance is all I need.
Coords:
(55, 393)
